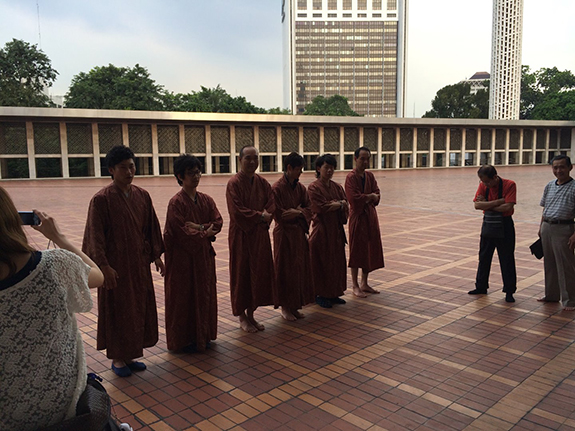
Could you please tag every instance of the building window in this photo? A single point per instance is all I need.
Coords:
(302, 15)
(376, 15)
(332, 4)
(392, 15)
(346, 4)
(302, 4)
(362, 15)
(332, 15)
(376, 4)
(346, 15)
(317, 15)
(361, 4)
(316, 4)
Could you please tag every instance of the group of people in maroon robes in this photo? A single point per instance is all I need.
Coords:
(123, 237)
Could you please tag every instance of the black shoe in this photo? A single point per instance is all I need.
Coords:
(477, 292)
(337, 301)
(509, 297)
(322, 302)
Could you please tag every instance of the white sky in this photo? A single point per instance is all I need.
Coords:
(237, 43)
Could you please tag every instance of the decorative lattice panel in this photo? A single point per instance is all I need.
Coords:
(471, 139)
(485, 139)
(553, 138)
(311, 139)
(109, 136)
(500, 135)
(290, 139)
(388, 139)
(47, 138)
(439, 139)
(13, 138)
(405, 139)
(527, 139)
(140, 138)
(331, 140)
(565, 140)
(351, 138)
(168, 139)
(268, 140)
(244, 136)
(370, 138)
(541, 137)
(221, 140)
(455, 139)
(514, 139)
(79, 138)
(195, 137)
(422, 139)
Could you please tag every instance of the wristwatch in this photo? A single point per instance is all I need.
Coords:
(202, 228)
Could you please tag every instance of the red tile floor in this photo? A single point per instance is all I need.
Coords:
(421, 355)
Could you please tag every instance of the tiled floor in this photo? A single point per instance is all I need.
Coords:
(421, 355)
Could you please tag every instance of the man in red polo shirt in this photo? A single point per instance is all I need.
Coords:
(496, 197)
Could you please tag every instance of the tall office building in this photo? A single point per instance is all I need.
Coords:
(355, 48)
(505, 83)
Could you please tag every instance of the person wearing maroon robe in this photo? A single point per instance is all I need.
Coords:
(292, 264)
(327, 240)
(192, 222)
(365, 250)
(123, 237)
(250, 205)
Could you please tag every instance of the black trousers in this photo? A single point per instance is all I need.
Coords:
(506, 252)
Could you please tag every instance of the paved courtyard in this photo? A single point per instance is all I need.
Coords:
(422, 355)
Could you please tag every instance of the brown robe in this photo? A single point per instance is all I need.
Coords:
(124, 233)
(292, 263)
(190, 283)
(327, 240)
(365, 250)
(252, 281)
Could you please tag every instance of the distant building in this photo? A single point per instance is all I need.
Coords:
(477, 81)
(355, 48)
(505, 83)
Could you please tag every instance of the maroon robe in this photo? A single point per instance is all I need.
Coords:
(124, 233)
(292, 264)
(190, 283)
(327, 240)
(365, 250)
(252, 281)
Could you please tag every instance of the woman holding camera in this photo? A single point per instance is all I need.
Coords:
(43, 367)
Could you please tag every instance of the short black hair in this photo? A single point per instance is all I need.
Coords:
(562, 157)
(294, 160)
(357, 151)
(247, 146)
(488, 171)
(321, 160)
(118, 154)
(183, 163)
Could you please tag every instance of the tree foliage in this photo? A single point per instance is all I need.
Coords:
(456, 101)
(111, 87)
(547, 94)
(210, 100)
(25, 71)
(335, 105)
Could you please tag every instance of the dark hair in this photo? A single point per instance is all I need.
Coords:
(487, 171)
(562, 157)
(118, 154)
(247, 146)
(326, 158)
(183, 163)
(294, 160)
(360, 149)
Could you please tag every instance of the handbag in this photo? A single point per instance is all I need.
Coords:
(492, 226)
(537, 249)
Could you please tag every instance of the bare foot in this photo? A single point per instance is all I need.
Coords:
(568, 308)
(368, 289)
(544, 299)
(298, 315)
(254, 323)
(246, 325)
(287, 315)
(357, 292)
(118, 363)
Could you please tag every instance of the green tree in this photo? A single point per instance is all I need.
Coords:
(542, 94)
(279, 111)
(25, 71)
(335, 105)
(456, 101)
(210, 100)
(111, 87)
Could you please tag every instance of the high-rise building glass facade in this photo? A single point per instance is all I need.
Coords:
(355, 48)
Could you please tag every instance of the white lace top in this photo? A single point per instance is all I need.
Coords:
(42, 363)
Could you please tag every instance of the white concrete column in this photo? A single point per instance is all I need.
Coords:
(572, 155)
(125, 135)
(379, 146)
(547, 136)
(397, 146)
(478, 148)
(414, 148)
(182, 138)
(155, 151)
(447, 147)
(300, 140)
(507, 136)
(534, 145)
(279, 158)
(64, 150)
(521, 146)
(341, 148)
(96, 150)
(361, 137)
(279, 146)
(493, 136)
(31, 150)
(321, 140)
(208, 158)
(463, 146)
(431, 146)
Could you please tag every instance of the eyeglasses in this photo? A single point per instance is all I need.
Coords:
(195, 173)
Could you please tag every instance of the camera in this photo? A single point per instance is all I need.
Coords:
(29, 218)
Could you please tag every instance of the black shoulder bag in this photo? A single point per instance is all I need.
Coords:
(493, 220)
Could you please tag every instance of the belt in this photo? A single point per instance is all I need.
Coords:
(555, 221)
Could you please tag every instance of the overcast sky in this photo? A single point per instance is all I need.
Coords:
(237, 43)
